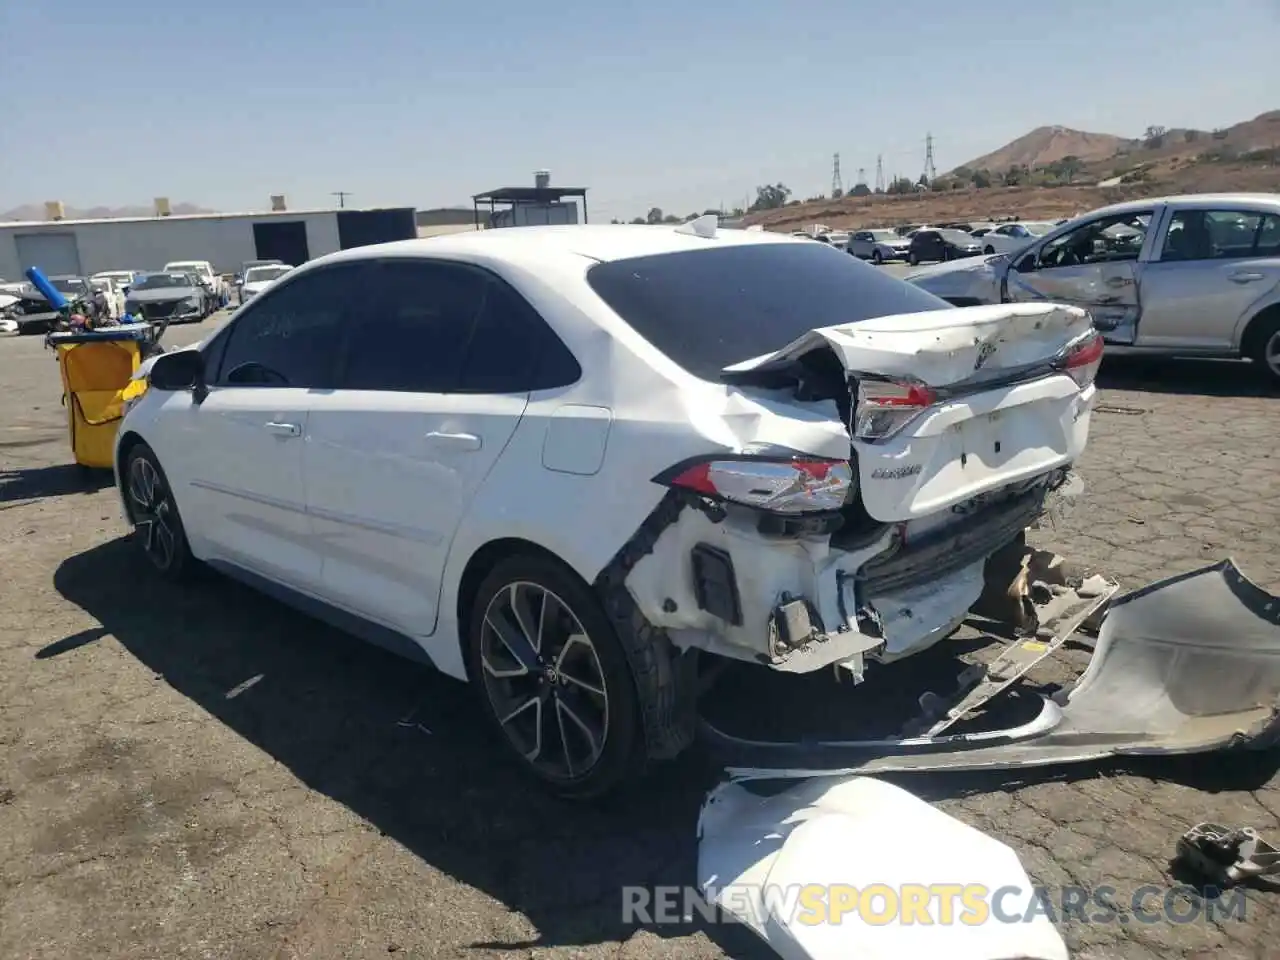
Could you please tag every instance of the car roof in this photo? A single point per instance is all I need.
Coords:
(602, 243)
(1190, 199)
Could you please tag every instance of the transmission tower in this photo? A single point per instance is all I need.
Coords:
(930, 171)
(837, 185)
(880, 174)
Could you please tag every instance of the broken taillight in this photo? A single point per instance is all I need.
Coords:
(799, 485)
(1082, 359)
(886, 406)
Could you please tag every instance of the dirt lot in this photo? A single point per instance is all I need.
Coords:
(206, 774)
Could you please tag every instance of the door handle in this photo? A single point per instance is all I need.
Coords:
(463, 441)
(1118, 281)
(284, 429)
(1245, 277)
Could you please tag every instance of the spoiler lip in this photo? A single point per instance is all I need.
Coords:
(1188, 664)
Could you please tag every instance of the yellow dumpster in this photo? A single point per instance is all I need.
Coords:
(97, 367)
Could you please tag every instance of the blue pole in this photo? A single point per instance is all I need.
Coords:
(41, 283)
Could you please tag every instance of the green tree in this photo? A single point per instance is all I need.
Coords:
(654, 215)
(981, 179)
(860, 190)
(771, 196)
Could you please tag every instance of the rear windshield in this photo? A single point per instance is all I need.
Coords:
(709, 309)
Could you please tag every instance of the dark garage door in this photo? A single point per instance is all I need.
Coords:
(359, 228)
(282, 240)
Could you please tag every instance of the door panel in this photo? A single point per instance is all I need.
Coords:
(1208, 278)
(389, 477)
(240, 462)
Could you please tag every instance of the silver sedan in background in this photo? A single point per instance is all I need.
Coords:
(878, 245)
(1195, 275)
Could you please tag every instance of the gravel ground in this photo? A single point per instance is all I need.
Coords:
(207, 774)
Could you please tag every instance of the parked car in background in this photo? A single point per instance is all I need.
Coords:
(1195, 275)
(172, 296)
(122, 278)
(257, 279)
(214, 291)
(941, 244)
(572, 504)
(1008, 237)
(238, 279)
(878, 245)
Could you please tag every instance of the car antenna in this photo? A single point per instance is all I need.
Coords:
(703, 226)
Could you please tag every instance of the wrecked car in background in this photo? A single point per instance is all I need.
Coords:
(613, 451)
(1195, 275)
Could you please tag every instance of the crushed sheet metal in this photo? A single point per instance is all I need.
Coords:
(1190, 664)
(754, 850)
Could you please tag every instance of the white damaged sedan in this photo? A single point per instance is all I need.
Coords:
(571, 464)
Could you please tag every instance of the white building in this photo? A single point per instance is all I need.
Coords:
(227, 240)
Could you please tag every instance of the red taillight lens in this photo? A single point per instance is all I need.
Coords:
(886, 406)
(782, 486)
(1082, 360)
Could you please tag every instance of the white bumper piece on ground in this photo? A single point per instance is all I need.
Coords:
(849, 869)
(1190, 664)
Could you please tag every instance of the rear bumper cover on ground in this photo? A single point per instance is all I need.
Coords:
(1190, 664)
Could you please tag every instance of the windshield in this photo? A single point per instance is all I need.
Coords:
(709, 309)
(187, 266)
(158, 281)
(885, 235)
(956, 236)
(63, 285)
(259, 274)
(1039, 229)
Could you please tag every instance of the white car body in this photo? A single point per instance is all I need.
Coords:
(383, 507)
(1012, 237)
(878, 245)
(121, 278)
(258, 279)
(203, 269)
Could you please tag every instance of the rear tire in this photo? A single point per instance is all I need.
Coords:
(913, 260)
(571, 716)
(153, 512)
(1266, 348)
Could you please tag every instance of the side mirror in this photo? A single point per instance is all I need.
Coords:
(237, 279)
(1027, 264)
(181, 370)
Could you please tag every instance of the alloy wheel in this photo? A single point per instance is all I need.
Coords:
(153, 515)
(544, 681)
(1271, 354)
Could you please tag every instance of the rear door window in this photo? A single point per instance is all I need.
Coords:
(708, 309)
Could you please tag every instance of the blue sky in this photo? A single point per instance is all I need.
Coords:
(680, 105)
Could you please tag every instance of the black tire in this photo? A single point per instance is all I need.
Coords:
(946, 254)
(876, 258)
(157, 525)
(913, 260)
(1265, 347)
(989, 250)
(621, 753)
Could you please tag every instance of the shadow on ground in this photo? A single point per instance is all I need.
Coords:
(1206, 378)
(329, 708)
(59, 480)
(351, 722)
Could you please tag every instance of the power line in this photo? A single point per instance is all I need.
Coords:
(342, 197)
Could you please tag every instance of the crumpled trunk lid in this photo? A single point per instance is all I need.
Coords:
(1003, 412)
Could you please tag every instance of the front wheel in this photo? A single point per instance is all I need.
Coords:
(877, 258)
(553, 677)
(157, 526)
(913, 259)
(989, 250)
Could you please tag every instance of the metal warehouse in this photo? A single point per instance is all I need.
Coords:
(227, 240)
